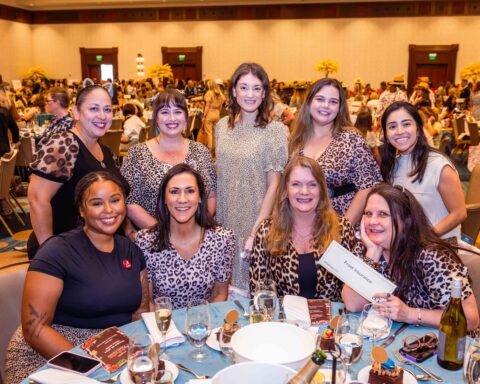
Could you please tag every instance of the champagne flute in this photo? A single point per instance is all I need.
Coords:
(266, 296)
(348, 338)
(198, 325)
(374, 321)
(141, 360)
(163, 316)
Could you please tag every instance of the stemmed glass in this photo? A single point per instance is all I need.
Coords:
(142, 359)
(198, 325)
(349, 339)
(163, 316)
(266, 296)
(374, 321)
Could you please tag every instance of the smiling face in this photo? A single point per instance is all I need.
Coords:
(378, 221)
(171, 120)
(401, 131)
(325, 106)
(95, 113)
(103, 208)
(303, 190)
(182, 198)
(249, 93)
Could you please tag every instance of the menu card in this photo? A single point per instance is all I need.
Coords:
(110, 347)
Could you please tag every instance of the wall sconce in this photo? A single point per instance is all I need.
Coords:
(140, 68)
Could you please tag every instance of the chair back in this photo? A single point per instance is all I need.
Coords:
(473, 130)
(25, 154)
(458, 127)
(473, 191)
(116, 124)
(11, 290)
(111, 139)
(472, 261)
(7, 169)
(142, 136)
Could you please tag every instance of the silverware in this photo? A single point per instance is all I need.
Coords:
(403, 360)
(183, 368)
(392, 337)
(418, 377)
(239, 305)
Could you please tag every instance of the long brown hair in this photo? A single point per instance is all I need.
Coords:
(266, 106)
(303, 127)
(326, 227)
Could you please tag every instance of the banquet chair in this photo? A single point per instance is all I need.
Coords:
(116, 125)
(25, 156)
(11, 289)
(112, 140)
(472, 262)
(471, 225)
(473, 133)
(142, 137)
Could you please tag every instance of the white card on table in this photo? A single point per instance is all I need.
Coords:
(354, 272)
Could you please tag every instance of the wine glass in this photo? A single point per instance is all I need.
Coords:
(142, 360)
(163, 316)
(473, 368)
(349, 339)
(198, 325)
(225, 340)
(266, 296)
(374, 321)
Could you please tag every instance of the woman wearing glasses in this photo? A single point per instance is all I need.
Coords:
(57, 103)
(251, 151)
(62, 159)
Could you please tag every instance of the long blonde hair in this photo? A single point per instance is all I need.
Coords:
(213, 86)
(326, 227)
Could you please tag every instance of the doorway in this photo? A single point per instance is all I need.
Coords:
(99, 63)
(437, 62)
(186, 62)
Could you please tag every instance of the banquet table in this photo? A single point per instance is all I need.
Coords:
(216, 361)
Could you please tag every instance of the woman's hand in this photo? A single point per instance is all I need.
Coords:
(374, 251)
(248, 247)
(396, 309)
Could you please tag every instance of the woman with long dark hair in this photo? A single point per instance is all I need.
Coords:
(401, 244)
(408, 160)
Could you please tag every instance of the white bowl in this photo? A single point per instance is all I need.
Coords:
(280, 343)
(254, 372)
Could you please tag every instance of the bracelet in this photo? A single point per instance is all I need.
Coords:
(419, 317)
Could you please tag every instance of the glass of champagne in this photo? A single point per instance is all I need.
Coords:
(374, 321)
(258, 315)
(349, 339)
(198, 325)
(163, 316)
(142, 359)
(266, 296)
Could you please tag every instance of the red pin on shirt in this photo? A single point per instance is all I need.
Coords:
(127, 264)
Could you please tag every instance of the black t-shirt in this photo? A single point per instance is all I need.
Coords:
(100, 289)
(307, 275)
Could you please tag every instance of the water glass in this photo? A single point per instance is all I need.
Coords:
(349, 339)
(473, 368)
(142, 359)
(374, 321)
(266, 296)
(198, 325)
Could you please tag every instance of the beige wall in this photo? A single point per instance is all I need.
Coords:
(372, 49)
(16, 49)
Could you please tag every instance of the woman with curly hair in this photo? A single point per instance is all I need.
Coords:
(288, 246)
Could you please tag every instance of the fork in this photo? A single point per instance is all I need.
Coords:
(239, 305)
(183, 368)
(403, 360)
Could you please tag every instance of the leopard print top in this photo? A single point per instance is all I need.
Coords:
(284, 269)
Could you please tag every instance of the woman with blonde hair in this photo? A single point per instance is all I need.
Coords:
(214, 100)
(288, 246)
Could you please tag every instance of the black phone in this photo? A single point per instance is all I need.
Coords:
(420, 354)
(69, 361)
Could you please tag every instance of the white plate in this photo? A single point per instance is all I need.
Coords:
(364, 372)
(212, 340)
(169, 366)
(379, 337)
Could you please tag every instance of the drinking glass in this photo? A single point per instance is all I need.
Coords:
(266, 296)
(163, 316)
(225, 340)
(258, 315)
(198, 325)
(349, 339)
(374, 321)
(142, 359)
(473, 368)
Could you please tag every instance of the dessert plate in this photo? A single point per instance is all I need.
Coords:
(364, 372)
(212, 340)
(169, 366)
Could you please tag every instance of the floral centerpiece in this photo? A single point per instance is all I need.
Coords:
(160, 71)
(35, 73)
(327, 66)
(471, 72)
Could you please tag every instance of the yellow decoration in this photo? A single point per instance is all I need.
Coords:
(327, 66)
(471, 72)
(160, 71)
(35, 73)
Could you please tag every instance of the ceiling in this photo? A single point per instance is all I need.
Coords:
(38, 5)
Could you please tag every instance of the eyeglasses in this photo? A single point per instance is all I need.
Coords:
(414, 343)
(49, 100)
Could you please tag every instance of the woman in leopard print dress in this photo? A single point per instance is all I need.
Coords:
(401, 244)
(288, 246)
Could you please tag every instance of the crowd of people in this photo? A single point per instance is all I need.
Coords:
(262, 200)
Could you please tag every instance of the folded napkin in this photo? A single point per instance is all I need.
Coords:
(57, 376)
(296, 309)
(173, 337)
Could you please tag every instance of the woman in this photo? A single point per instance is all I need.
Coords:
(62, 159)
(188, 255)
(57, 103)
(401, 244)
(214, 100)
(147, 163)
(251, 153)
(81, 281)
(364, 123)
(7, 123)
(289, 245)
(132, 126)
(323, 132)
(409, 161)
(475, 101)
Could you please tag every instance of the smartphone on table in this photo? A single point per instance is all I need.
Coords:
(69, 361)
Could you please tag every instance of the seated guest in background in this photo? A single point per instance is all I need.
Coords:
(401, 244)
(132, 126)
(188, 255)
(80, 281)
(7, 123)
(364, 123)
(57, 103)
(409, 161)
(147, 163)
(62, 159)
(288, 246)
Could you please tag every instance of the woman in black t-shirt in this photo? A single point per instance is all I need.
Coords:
(80, 281)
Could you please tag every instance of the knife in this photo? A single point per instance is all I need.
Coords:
(392, 337)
